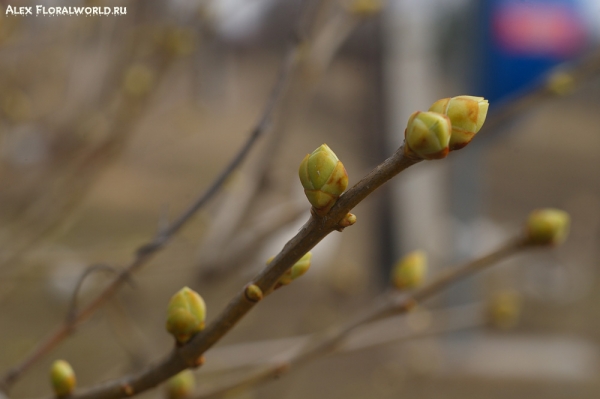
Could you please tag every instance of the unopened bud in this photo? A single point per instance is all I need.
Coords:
(181, 386)
(139, 80)
(548, 226)
(62, 378)
(467, 115)
(365, 8)
(504, 309)
(323, 177)
(409, 271)
(427, 135)
(299, 268)
(185, 315)
(560, 83)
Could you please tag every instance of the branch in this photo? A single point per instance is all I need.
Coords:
(387, 304)
(147, 251)
(310, 235)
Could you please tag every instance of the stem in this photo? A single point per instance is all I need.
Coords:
(385, 305)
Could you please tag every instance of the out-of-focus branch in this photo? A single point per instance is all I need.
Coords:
(561, 81)
(387, 304)
(147, 251)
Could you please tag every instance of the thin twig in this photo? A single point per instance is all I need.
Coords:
(310, 235)
(386, 305)
(147, 251)
(72, 312)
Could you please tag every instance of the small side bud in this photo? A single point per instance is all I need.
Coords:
(504, 309)
(347, 221)
(467, 115)
(185, 315)
(139, 80)
(548, 226)
(254, 293)
(365, 8)
(410, 270)
(323, 177)
(181, 386)
(560, 83)
(299, 268)
(427, 135)
(62, 378)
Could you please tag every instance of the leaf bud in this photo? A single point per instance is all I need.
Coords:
(299, 268)
(504, 309)
(427, 135)
(181, 385)
(62, 378)
(365, 8)
(560, 83)
(185, 315)
(410, 270)
(139, 80)
(466, 113)
(548, 226)
(323, 177)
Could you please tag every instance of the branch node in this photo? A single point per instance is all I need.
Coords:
(347, 221)
(127, 389)
(197, 362)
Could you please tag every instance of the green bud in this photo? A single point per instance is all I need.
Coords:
(181, 386)
(365, 8)
(548, 226)
(139, 80)
(410, 270)
(560, 83)
(467, 115)
(504, 309)
(62, 378)
(185, 315)
(295, 271)
(427, 135)
(323, 177)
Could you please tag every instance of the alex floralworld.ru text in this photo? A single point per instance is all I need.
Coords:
(42, 10)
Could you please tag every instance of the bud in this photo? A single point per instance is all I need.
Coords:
(365, 8)
(548, 226)
(139, 80)
(185, 315)
(295, 271)
(410, 270)
(466, 113)
(323, 177)
(560, 83)
(427, 135)
(504, 309)
(181, 386)
(62, 378)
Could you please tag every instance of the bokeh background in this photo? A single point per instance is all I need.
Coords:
(111, 125)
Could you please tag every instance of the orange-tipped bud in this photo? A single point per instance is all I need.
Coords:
(467, 115)
(427, 135)
(62, 378)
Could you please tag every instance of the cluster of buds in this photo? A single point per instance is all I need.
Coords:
(323, 177)
(547, 226)
(185, 315)
(62, 378)
(299, 269)
(409, 271)
(181, 386)
(449, 125)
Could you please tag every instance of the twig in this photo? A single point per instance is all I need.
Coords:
(579, 71)
(310, 235)
(386, 305)
(147, 251)
(72, 312)
(378, 333)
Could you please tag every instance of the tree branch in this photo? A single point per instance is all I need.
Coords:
(387, 304)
